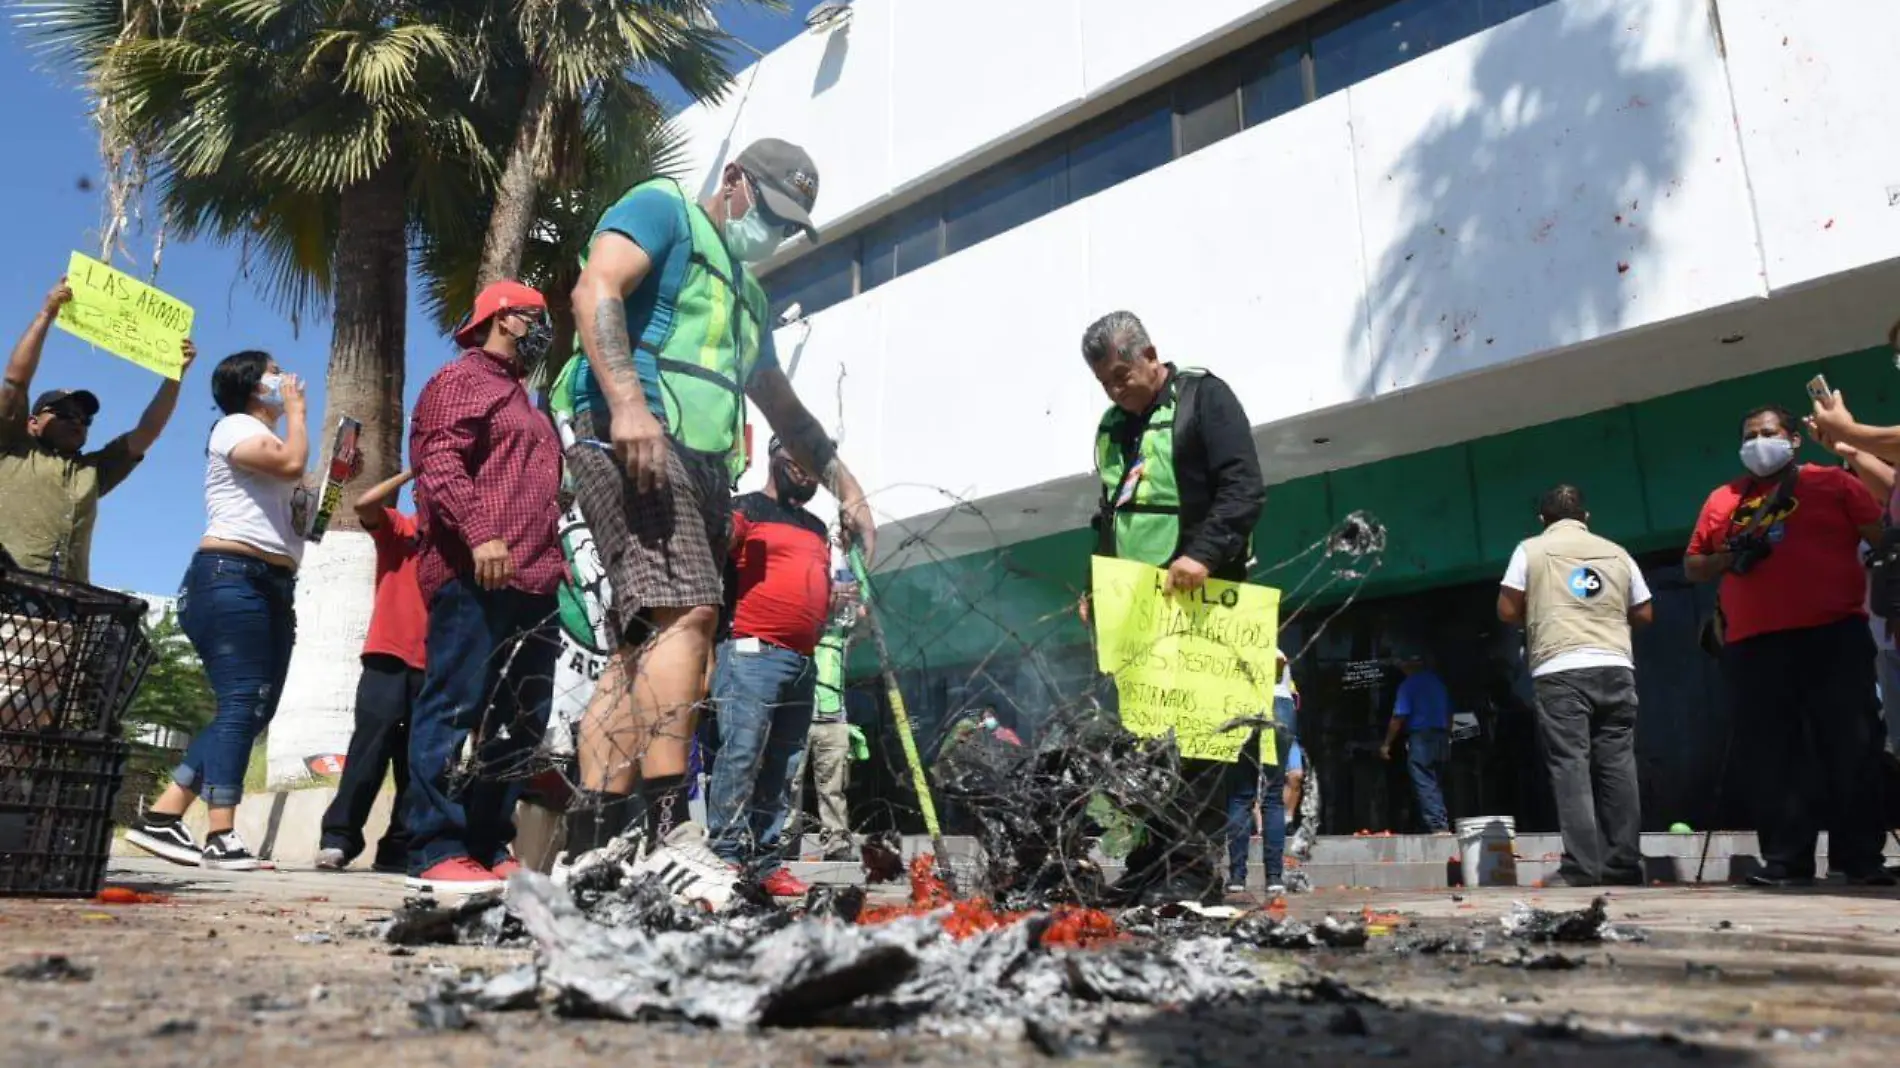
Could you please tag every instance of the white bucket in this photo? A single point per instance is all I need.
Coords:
(1488, 847)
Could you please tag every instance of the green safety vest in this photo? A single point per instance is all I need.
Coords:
(828, 666)
(713, 344)
(1141, 510)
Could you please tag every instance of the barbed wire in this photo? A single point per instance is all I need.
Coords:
(1018, 730)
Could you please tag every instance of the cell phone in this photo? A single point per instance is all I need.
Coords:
(1817, 389)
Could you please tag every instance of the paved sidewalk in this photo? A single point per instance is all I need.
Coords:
(271, 968)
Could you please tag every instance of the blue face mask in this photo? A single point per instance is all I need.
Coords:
(272, 387)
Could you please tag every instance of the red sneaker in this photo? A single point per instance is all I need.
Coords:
(456, 875)
(782, 883)
(508, 866)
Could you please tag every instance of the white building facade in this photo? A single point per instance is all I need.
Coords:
(1448, 252)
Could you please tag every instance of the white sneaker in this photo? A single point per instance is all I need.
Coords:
(331, 860)
(694, 873)
(618, 853)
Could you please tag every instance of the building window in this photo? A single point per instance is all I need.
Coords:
(815, 281)
(1206, 109)
(1273, 83)
(1363, 41)
(1124, 144)
(1002, 198)
(909, 240)
(1344, 45)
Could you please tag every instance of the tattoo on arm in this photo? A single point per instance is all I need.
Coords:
(613, 357)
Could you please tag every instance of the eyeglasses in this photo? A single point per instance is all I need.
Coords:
(68, 414)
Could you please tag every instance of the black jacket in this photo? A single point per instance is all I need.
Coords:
(1216, 468)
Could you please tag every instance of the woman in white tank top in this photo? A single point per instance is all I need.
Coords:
(237, 603)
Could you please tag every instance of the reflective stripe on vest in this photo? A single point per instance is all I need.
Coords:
(713, 343)
(1145, 504)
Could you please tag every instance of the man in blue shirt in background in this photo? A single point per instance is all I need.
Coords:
(1423, 711)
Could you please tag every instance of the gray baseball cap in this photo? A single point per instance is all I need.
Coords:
(787, 179)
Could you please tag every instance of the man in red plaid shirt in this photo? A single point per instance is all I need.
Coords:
(488, 471)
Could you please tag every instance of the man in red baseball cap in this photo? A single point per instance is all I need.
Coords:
(488, 468)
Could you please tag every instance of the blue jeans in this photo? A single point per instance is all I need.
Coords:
(1240, 826)
(241, 616)
(1427, 753)
(763, 701)
(491, 666)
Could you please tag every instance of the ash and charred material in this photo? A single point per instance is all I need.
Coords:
(1259, 930)
(56, 968)
(479, 921)
(882, 856)
(1587, 926)
(814, 970)
(1031, 805)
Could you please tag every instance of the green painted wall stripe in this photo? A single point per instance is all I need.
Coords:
(1452, 515)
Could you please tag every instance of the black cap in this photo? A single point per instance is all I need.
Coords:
(787, 179)
(82, 397)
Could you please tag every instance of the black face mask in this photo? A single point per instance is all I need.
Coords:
(788, 488)
(533, 345)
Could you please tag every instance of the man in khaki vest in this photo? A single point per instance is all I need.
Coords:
(1577, 596)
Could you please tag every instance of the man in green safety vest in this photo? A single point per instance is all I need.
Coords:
(676, 338)
(835, 741)
(1180, 489)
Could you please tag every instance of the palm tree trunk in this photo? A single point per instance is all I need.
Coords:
(336, 584)
(368, 331)
(520, 185)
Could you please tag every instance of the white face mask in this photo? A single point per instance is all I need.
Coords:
(749, 236)
(1765, 456)
(272, 387)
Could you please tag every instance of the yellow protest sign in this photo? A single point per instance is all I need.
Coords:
(1186, 662)
(126, 317)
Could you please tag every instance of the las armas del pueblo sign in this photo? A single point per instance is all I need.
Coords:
(1188, 662)
(126, 317)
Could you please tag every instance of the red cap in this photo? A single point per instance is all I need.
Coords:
(497, 297)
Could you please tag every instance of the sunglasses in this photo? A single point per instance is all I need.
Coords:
(785, 228)
(68, 413)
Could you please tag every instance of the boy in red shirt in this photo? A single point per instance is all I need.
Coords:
(393, 662)
(1799, 659)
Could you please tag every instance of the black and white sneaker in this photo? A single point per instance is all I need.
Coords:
(225, 851)
(166, 837)
(690, 868)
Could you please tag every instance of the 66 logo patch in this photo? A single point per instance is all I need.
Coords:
(1586, 582)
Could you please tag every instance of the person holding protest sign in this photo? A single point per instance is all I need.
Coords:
(1181, 491)
(237, 603)
(51, 485)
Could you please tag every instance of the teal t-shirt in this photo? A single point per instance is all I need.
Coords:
(651, 218)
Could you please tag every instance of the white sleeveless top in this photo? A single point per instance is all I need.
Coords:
(243, 505)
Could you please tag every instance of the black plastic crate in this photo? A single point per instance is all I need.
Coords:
(56, 797)
(71, 655)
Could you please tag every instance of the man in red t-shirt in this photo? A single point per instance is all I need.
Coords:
(393, 662)
(778, 586)
(1799, 659)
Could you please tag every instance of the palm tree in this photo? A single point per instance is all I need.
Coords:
(316, 135)
(621, 139)
(298, 129)
(575, 48)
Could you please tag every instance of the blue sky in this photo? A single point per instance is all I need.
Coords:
(147, 527)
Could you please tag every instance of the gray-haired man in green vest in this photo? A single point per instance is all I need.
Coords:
(1180, 489)
(1577, 596)
(676, 337)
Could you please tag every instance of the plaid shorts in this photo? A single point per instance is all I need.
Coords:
(663, 549)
